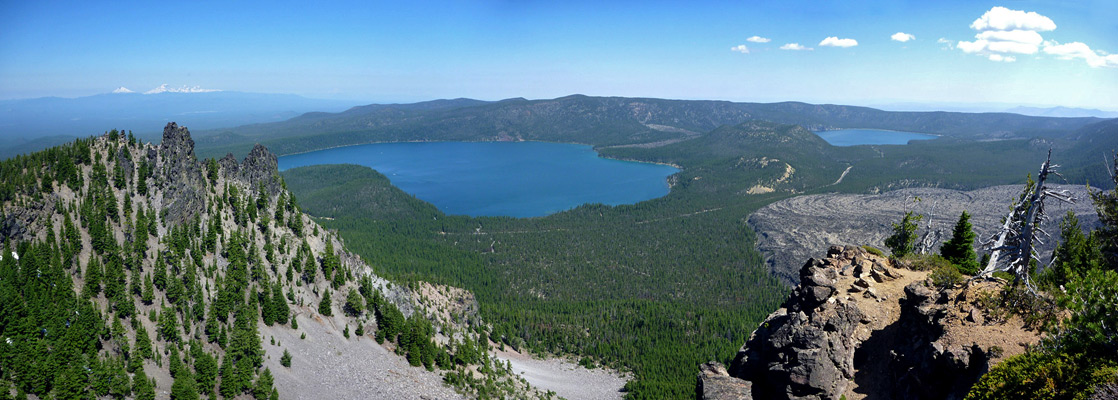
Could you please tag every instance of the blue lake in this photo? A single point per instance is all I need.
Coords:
(517, 179)
(854, 137)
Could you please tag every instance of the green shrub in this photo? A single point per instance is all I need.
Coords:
(923, 262)
(873, 250)
(1038, 375)
(946, 276)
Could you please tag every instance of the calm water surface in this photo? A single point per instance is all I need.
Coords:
(517, 179)
(854, 137)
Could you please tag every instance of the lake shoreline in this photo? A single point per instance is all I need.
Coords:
(520, 179)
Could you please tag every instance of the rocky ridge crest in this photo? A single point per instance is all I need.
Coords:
(860, 327)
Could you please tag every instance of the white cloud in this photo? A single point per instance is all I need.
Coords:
(1004, 19)
(834, 41)
(902, 37)
(983, 46)
(740, 49)
(1003, 32)
(758, 39)
(947, 44)
(1073, 50)
(1016, 35)
(794, 46)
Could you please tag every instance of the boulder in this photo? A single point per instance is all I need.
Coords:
(717, 384)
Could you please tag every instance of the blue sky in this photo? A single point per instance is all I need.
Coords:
(416, 50)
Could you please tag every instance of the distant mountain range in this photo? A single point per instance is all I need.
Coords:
(1035, 111)
(1065, 112)
(31, 124)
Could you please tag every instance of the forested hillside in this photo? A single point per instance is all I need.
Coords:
(135, 270)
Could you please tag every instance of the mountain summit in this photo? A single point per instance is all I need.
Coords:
(184, 89)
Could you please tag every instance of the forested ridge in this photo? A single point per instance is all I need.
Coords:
(135, 270)
(602, 121)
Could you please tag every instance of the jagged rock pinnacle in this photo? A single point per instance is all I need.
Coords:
(177, 144)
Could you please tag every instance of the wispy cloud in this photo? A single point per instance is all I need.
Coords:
(794, 46)
(740, 49)
(758, 39)
(947, 44)
(834, 41)
(902, 37)
(1001, 58)
(1073, 50)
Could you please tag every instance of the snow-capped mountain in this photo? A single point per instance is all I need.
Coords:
(184, 89)
(27, 124)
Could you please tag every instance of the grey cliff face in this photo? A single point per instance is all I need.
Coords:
(179, 175)
(259, 168)
(805, 350)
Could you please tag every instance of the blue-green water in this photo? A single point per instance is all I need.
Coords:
(854, 137)
(517, 179)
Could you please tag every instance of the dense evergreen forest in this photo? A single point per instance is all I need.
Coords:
(656, 287)
(652, 291)
(130, 269)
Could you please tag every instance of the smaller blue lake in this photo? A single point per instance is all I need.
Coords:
(854, 137)
(516, 179)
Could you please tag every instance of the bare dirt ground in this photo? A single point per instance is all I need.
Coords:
(566, 379)
(793, 230)
(326, 365)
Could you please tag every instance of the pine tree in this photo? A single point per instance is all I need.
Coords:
(903, 239)
(143, 342)
(960, 249)
(263, 387)
(148, 294)
(142, 386)
(93, 277)
(280, 310)
(285, 360)
(324, 306)
(205, 372)
(354, 303)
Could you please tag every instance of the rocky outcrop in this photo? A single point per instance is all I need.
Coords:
(176, 161)
(925, 366)
(259, 169)
(229, 165)
(180, 176)
(805, 350)
(857, 326)
(716, 383)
